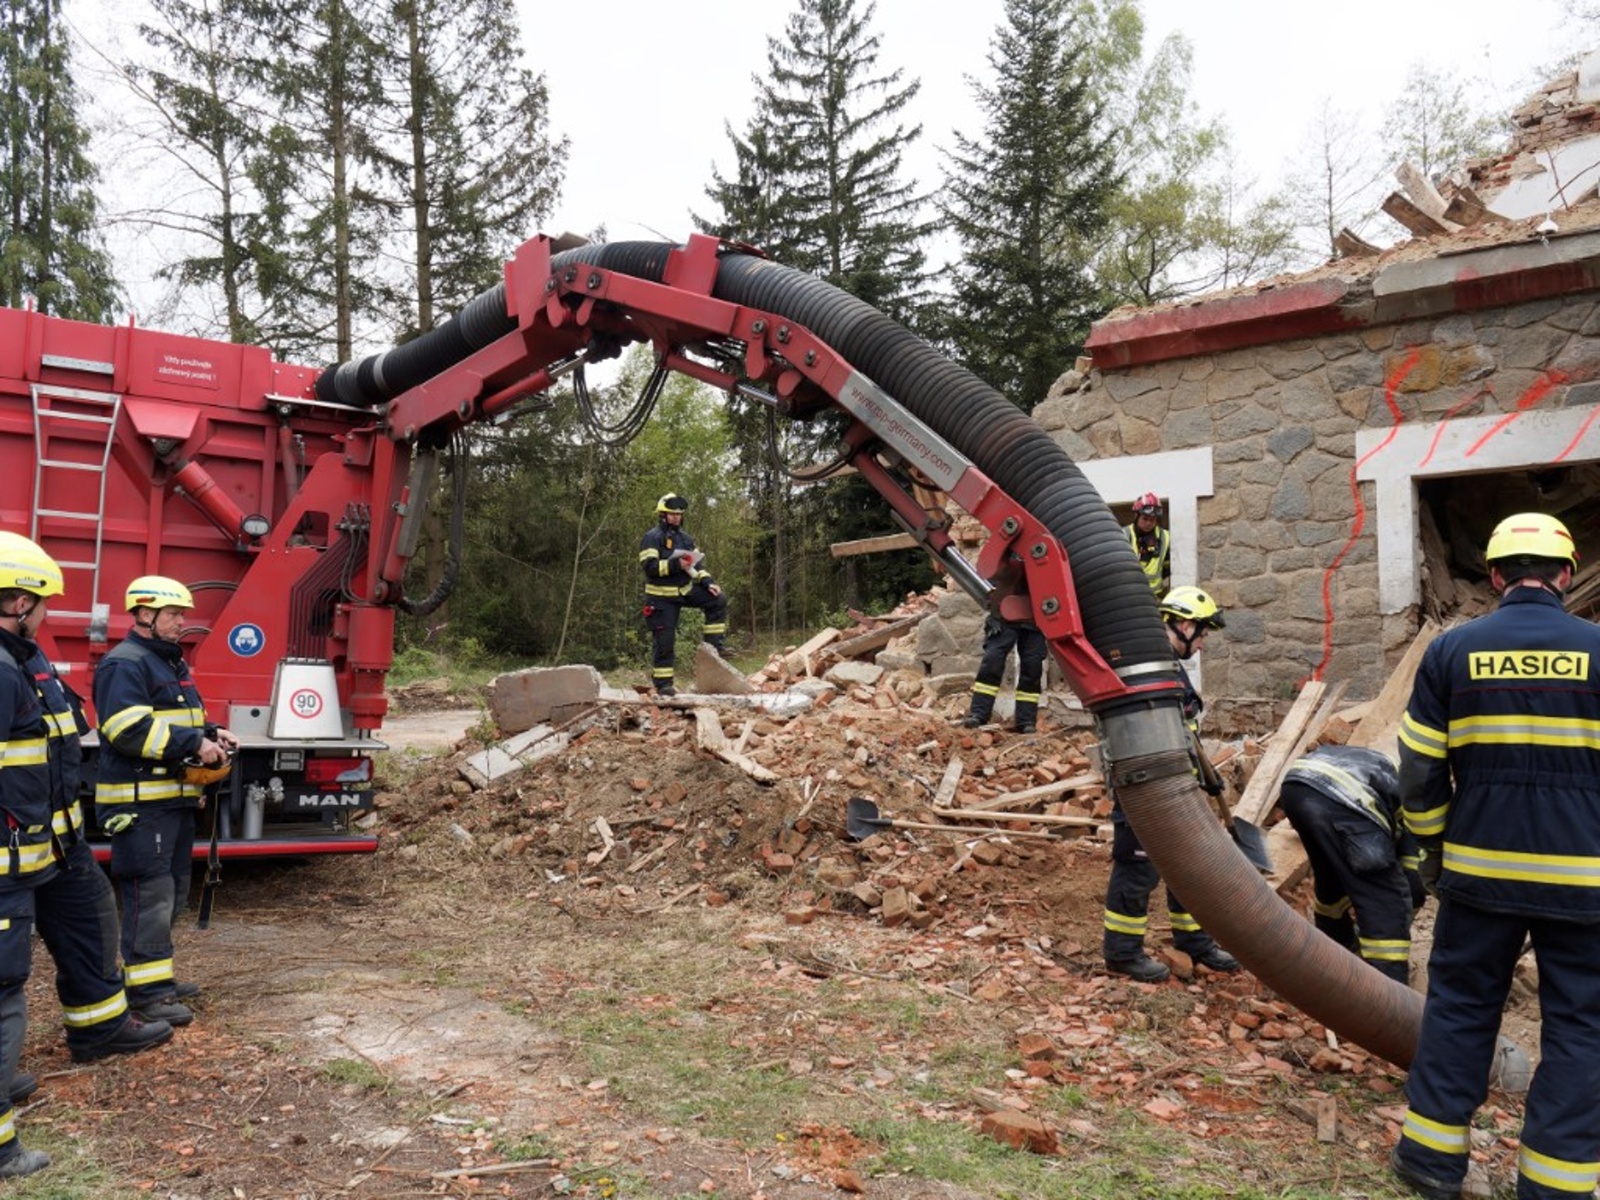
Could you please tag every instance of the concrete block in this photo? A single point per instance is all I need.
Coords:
(716, 676)
(851, 673)
(519, 700)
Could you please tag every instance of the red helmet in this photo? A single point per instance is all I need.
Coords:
(1148, 504)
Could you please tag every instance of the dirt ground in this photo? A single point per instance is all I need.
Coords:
(501, 1002)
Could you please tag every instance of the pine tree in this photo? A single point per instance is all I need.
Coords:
(1028, 202)
(50, 245)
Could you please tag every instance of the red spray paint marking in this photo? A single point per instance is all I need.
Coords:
(1444, 424)
(1390, 386)
(1547, 384)
(1577, 437)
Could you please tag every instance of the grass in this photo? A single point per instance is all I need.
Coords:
(72, 1174)
(355, 1072)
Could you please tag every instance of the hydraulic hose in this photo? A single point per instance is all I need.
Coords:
(1144, 740)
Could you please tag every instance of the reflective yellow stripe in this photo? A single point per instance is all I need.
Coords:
(150, 789)
(157, 971)
(24, 752)
(119, 723)
(1574, 870)
(1385, 950)
(85, 1015)
(1027, 697)
(1118, 923)
(1446, 1139)
(985, 689)
(1421, 738)
(34, 856)
(61, 724)
(1564, 1176)
(65, 822)
(1333, 911)
(1429, 824)
(656, 589)
(1183, 922)
(1572, 733)
(1347, 784)
(647, 555)
(8, 1125)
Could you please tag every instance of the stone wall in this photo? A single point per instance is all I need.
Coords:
(1281, 420)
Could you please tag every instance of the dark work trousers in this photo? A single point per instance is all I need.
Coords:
(16, 956)
(77, 919)
(1363, 900)
(999, 637)
(1133, 878)
(152, 865)
(661, 616)
(1469, 976)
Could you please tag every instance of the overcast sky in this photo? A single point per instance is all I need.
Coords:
(644, 90)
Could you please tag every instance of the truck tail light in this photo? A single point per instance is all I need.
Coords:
(324, 772)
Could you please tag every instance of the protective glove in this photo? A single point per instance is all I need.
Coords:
(1429, 868)
(119, 823)
(714, 589)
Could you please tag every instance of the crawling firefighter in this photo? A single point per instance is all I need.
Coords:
(674, 576)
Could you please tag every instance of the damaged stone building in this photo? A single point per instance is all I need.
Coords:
(1334, 448)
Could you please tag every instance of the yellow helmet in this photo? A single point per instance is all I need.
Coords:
(157, 591)
(25, 566)
(1531, 535)
(1191, 604)
(671, 503)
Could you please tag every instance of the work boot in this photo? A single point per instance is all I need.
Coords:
(23, 1085)
(135, 1034)
(1427, 1188)
(187, 991)
(1216, 959)
(169, 1011)
(1142, 969)
(669, 690)
(24, 1162)
(1025, 727)
(970, 721)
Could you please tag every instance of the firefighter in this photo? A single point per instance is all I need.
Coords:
(999, 637)
(1189, 615)
(673, 577)
(1151, 543)
(152, 719)
(1500, 782)
(74, 907)
(1344, 802)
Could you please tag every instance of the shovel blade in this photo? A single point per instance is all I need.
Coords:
(861, 819)
(1252, 843)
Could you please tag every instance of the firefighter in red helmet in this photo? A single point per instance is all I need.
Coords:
(1151, 543)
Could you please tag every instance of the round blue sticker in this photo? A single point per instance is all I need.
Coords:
(246, 640)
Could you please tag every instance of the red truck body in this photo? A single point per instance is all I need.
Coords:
(131, 452)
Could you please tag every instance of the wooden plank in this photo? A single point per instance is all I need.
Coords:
(878, 638)
(799, 660)
(1261, 792)
(1046, 791)
(946, 791)
(1412, 217)
(1466, 208)
(1347, 243)
(1379, 729)
(1289, 862)
(873, 545)
(1037, 818)
(1314, 726)
(1422, 193)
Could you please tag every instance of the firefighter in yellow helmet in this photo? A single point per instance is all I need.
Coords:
(1189, 614)
(49, 877)
(1500, 783)
(674, 576)
(152, 719)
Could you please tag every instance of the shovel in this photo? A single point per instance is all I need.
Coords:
(862, 821)
(1251, 841)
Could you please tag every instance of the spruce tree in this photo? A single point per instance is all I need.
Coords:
(50, 246)
(1028, 200)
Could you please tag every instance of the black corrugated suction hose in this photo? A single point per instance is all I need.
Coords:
(1155, 784)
